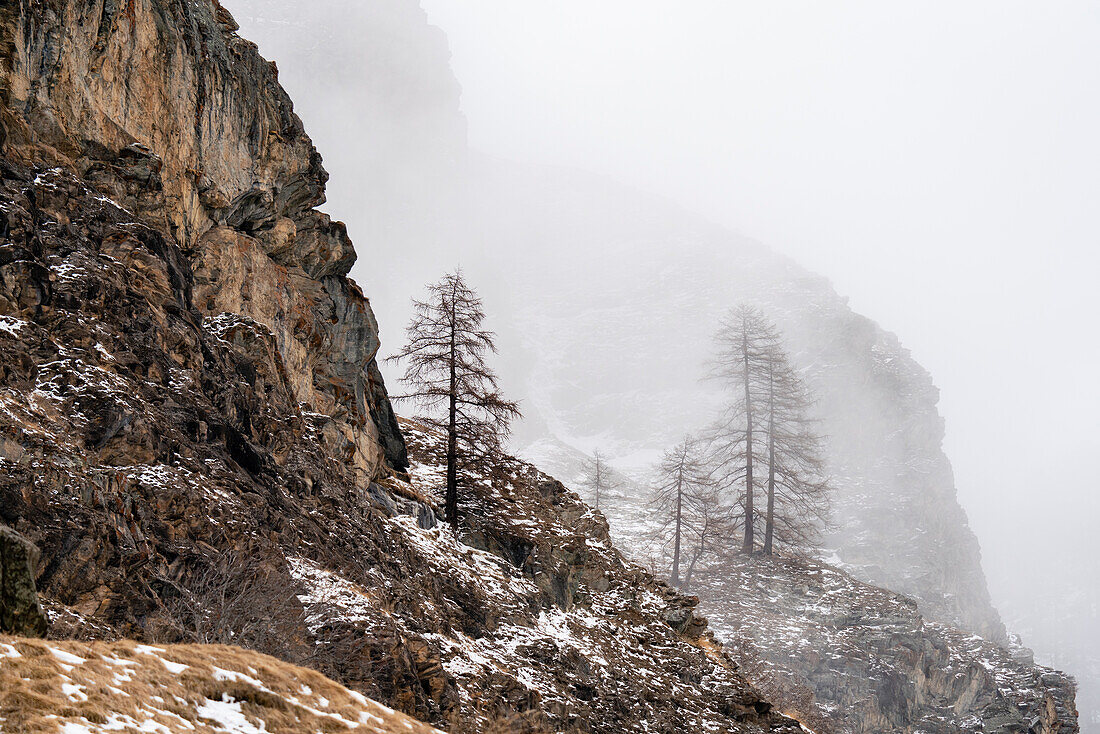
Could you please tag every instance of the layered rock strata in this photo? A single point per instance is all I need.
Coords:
(162, 109)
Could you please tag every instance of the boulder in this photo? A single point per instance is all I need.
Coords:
(20, 613)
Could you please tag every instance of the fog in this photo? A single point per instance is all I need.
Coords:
(939, 163)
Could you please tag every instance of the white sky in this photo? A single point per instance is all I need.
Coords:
(940, 162)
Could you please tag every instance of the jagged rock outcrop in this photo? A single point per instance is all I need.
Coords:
(20, 613)
(886, 669)
(162, 108)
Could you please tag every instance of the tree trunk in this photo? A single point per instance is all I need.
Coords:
(676, 547)
(451, 498)
(746, 546)
(599, 480)
(769, 528)
(695, 557)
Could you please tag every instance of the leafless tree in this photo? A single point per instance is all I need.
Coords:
(710, 525)
(683, 484)
(766, 427)
(447, 375)
(746, 341)
(598, 476)
(797, 488)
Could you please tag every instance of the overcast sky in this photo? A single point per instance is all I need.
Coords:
(940, 162)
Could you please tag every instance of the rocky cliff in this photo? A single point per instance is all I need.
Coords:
(20, 613)
(194, 427)
(164, 111)
(887, 668)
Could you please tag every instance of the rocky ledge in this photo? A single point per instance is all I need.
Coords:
(20, 613)
(845, 656)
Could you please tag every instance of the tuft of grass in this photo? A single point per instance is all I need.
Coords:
(47, 687)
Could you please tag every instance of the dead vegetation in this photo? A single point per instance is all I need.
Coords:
(77, 688)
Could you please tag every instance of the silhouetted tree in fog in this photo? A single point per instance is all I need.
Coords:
(447, 375)
(598, 476)
(746, 341)
(797, 489)
(765, 430)
(683, 485)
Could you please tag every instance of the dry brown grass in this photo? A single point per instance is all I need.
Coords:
(175, 688)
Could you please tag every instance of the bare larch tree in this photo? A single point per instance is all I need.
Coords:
(447, 375)
(797, 488)
(683, 486)
(766, 427)
(746, 341)
(709, 526)
(598, 477)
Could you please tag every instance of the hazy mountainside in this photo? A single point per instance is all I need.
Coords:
(607, 298)
(80, 688)
(619, 346)
(194, 427)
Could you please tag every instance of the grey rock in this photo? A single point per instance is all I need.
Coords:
(20, 613)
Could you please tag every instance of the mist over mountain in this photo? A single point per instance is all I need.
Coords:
(606, 300)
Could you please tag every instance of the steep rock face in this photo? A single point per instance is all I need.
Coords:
(163, 108)
(20, 613)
